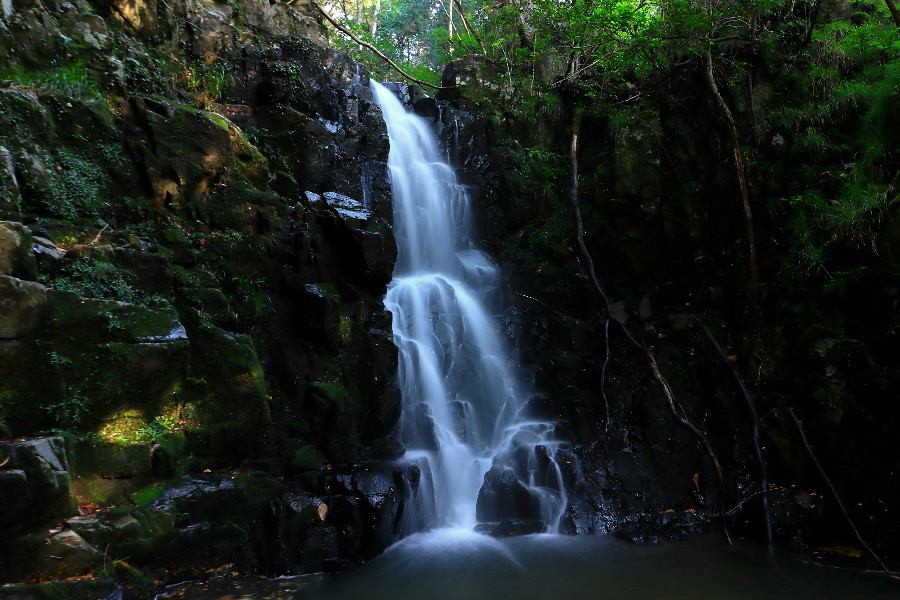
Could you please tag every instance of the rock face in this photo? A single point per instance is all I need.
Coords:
(34, 483)
(16, 259)
(191, 277)
(22, 305)
(194, 247)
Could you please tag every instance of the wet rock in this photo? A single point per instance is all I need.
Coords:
(425, 427)
(85, 589)
(511, 527)
(10, 196)
(503, 496)
(46, 252)
(22, 306)
(194, 494)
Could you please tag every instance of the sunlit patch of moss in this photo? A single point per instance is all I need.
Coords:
(123, 427)
(245, 151)
(130, 426)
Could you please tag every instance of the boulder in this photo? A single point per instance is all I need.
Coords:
(10, 197)
(16, 258)
(22, 305)
(503, 496)
(34, 482)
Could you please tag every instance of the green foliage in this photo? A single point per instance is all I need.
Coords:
(71, 411)
(157, 430)
(96, 277)
(78, 186)
(70, 79)
(162, 74)
(146, 495)
(841, 115)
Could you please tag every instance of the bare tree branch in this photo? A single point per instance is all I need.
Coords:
(740, 171)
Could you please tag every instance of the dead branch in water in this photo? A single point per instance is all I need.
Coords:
(834, 491)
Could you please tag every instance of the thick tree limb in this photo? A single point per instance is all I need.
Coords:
(834, 492)
(375, 50)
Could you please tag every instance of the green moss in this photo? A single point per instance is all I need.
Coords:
(146, 495)
(333, 391)
(78, 188)
(308, 458)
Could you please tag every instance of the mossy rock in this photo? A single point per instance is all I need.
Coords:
(29, 382)
(233, 417)
(308, 458)
(338, 412)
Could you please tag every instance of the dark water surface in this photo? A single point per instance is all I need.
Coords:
(457, 564)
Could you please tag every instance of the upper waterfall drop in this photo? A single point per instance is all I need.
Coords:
(462, 396)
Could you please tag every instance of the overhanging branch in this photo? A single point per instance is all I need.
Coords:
(375, 50)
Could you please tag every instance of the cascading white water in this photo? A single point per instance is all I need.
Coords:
(462, 398)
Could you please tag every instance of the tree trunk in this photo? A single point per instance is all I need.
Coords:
(374, 26)
(757, 444)
(895, 11)
(450, 20)
(469, 29)
(735, 141)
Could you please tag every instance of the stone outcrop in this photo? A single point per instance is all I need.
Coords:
(34, 483)
(194, 246)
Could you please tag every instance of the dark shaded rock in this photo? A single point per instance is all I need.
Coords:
(234, 417)
(504, 497)
(511, 527)
(22, 306)
(16, 259)
(10, 197)
(34, 482)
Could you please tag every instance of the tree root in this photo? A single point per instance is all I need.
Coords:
(674, 407)
(748, 397)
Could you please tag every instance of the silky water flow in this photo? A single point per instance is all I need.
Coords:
(463, 400)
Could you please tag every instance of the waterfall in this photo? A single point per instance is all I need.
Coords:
(462, 421)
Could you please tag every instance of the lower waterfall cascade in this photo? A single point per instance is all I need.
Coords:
(465, 419)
